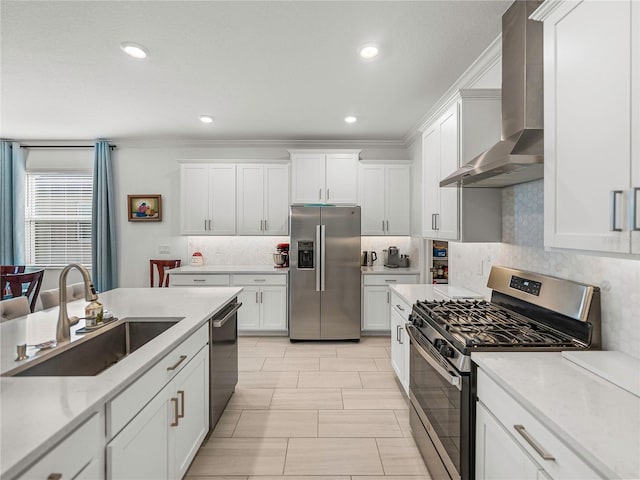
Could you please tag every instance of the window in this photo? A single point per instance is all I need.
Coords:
(58, 218)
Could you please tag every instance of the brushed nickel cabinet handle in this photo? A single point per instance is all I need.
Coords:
(266, 228)
(328, 193)
(173, 367)
(181, 395)
(199, 280)
(383, 225)
(210, 223)
(433, 221)
(54, 476)
(400, 308)
(388, 297)
(205, 224)
(261, 294)
(259, 279)
(534, 444)
(400, 336)
(387, 225)
(634, 208)
(319, 194)
(175, 412)
(398, 333)
(614, 210)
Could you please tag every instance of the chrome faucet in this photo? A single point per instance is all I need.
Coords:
(63, 330)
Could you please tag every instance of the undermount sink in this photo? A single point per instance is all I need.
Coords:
(96, 353)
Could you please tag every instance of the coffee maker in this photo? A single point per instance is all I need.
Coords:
(392, 258)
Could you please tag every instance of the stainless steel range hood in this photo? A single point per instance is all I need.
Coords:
(518, 157)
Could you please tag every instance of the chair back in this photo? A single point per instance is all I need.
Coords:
(161, 265)
(12, 269)
(24, 284)
(14, 308)
(51, 298)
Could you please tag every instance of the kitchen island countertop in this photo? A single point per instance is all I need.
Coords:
(38, 412)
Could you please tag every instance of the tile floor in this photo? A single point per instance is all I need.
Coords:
(312, 411)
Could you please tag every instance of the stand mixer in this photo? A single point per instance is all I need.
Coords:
(281, 255)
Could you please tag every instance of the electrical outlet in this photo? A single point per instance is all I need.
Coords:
(164, 249)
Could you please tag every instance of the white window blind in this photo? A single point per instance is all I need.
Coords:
(58, 218)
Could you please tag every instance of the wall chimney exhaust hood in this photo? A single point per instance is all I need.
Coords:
(518, 157)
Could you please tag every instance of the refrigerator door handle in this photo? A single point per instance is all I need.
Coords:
(322, 256)
(315, 258)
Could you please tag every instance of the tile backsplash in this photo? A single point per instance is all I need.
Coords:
(522, 247)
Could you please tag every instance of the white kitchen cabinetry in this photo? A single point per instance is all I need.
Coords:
(376, 299)
(324, 176)
(400, 311)
(264, 303)
(512, 443)
(208, 199)
(162, 437)
(592, 154)
(263, 199)
(79, 455)
(467, 128)
(384, 195)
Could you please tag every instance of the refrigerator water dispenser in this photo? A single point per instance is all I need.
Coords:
(305, 254)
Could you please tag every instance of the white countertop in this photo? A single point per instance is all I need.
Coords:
(389, 271)
(37, 412)
(228, 269)
(596, 419)
(412, 293)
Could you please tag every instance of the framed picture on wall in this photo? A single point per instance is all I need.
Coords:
(144, 208)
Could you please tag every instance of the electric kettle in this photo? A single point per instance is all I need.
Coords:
(367, 258)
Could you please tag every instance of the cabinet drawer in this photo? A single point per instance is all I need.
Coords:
(258, 280)
(565, 463)
(200, 279)
(72, 454)
(389, 279)
(124, 407)
(400, 306)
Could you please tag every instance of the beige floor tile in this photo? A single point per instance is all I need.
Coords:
(348, 364)
(261, 350)
(275, 340)
(247, 341)
(383, 364)
(300, 477)
(375, 340)
(240, 456)
(403, 420)
(268, 379)
(250, 364)
(310, 350)
(291, 364)
(400, 456)
(215, 477)
(306, 399)
(358, 423)
(227, 423)
(329, 380)
(388, 349)
(362, 352)
(378, 380)
(250, 399)
(277, 423)
(373, 399)
(388, 477)
(332, 456)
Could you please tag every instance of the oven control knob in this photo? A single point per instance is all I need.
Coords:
(446, 351)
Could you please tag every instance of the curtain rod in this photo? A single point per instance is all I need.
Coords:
(111, 147)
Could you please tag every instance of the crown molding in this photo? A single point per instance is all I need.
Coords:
(543, 12)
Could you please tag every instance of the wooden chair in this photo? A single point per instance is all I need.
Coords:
(12, 269)
(161, 265)
(14, 308)
(17, 282)
(51, 298)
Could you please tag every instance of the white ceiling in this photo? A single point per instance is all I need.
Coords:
(266, 70)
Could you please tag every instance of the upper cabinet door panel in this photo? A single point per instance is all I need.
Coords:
(250, 199)
(194, 192)
(372, 199)
(447, 221)
(276, 199)
(222, 192)
(342, 178)
(398, 200)
(430, 180)
(308, 182)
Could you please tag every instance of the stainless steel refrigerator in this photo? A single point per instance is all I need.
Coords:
(324, 273)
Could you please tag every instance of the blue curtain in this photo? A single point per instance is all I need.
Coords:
(12, 198)
(103, 226)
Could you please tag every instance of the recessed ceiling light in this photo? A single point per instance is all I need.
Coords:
(206, 118)
(350, 119)
(369, 51)
(134, 50)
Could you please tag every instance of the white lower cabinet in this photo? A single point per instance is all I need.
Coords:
(264, 303)
(399, 316)
(376, 299)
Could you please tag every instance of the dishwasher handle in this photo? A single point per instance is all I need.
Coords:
(220, 322)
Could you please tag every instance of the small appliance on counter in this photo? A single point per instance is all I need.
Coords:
(281, 256)
(404, 261)
(367, 258)
(392, 258)
(197, 260)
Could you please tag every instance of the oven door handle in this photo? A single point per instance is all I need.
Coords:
(450, 377)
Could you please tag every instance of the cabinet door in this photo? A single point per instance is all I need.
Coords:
(635, 131)
(498, 456)
(448, 196)
(376, 308)
(249, 313)
(250, 194)
(308, 178)
(396, 322)
(398, 200)
(273, 308)
(140, 450)
(192, 392)
(222, 195)
(587, 150)
(194, 198)
(372, 199)
(276, 199)
(342, 178)
(430, 181)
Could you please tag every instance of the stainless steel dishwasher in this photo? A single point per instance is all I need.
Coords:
(223, 358)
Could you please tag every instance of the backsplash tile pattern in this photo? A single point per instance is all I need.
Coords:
(618, 278)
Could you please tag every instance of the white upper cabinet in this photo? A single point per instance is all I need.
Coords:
(324, 177)
(208, 199)
(263, 199)
(384, 195)
(468, 127)
(591, 103)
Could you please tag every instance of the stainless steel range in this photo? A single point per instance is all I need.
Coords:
(527, 312)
